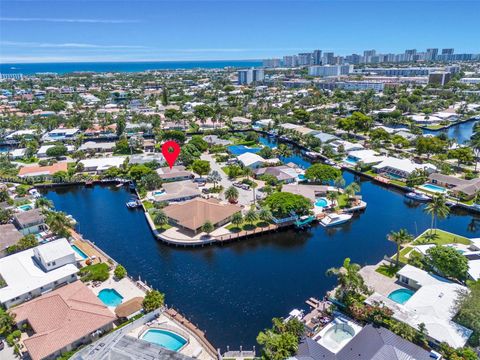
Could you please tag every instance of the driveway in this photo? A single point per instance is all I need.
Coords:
(245, 196)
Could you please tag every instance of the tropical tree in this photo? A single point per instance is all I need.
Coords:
(160, 218)
(265, 214)
(283, 150)
(281, 341)
(214, 177)
(153, 300)
(208, 227)
(59, 223)
(120, 272)
(201, 167)
(43, 203)
(251, 216)
(437, 209)
(400, 237)
(332, 196)
(322, 173)
(237, 219)
(7, 322)
(447, 261)
(349, 279)
(231, 194)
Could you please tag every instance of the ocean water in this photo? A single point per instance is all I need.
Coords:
(63, 68)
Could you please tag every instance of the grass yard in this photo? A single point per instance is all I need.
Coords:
(442, 238)
(247, 226)
(387, 270)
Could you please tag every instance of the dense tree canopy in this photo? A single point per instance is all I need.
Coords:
(322, 173)
(283, 203)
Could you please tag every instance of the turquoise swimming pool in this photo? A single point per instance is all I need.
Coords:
(434, 188)
(79, 252)
(321, 202)
(401, 296)
(110, 297)
(166, 339)
(25, 207)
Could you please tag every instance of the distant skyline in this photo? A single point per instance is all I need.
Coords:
(136, 30)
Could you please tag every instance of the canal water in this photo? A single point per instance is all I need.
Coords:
(233, 291)
(461, 133)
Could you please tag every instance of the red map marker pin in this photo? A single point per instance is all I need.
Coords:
(170, 151)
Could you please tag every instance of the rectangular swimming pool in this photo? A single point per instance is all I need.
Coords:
(79, 252)
(433, 188)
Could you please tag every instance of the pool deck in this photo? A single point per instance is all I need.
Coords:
(195, 346)
(125, 287)
(379, 283)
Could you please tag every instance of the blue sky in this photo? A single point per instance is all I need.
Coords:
(108, 30)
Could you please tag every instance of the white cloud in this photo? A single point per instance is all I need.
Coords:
(67, 45)
(68, 20)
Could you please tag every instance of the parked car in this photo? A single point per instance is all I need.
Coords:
(2, 344)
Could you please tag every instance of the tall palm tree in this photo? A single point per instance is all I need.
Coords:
(400, 237)
(231, 194)
(59, 223)
(251, 216)
(332, 196)
(475, 145)
(265, 214)
(437, 209)
(43, 203)
(349, 278)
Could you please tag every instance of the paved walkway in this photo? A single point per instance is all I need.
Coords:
(377, 282)
(245, 196)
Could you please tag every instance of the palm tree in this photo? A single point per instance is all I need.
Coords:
(332, 196)
(349, 279)
(43, 203)
(59, 223)
(231, 194)
(237, 219)
(214, 177)
(475, 145)
(265, 215)
(438, 209)
(251, 216)
(400, 237)
(254, 185)
(160, 218)
(283, 150)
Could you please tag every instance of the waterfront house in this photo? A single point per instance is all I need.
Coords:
(146, 158)
(366, 157)
(325, 137)
(282, 173)
(431, 301)
(42, 152)
(16, 154)
(372, 343)
(401, 168)
(35, 271)
(215, 140)
(462, 188)
(309, 191)
(191, 215)
(61, 134)
(9, 236)
(176, 173)
(42, 171)
(30, 221)
(177, 191)
(339, 146)
(99, 165)
(254, 161)
(97, 147)
(62, 320)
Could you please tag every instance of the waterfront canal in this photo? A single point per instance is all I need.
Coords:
(461, 133)
(233, 291)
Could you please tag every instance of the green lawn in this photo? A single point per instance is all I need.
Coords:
(387, 270)
(247, 226)
(442, 238)
(97, 272)
(403, 254)
(148, 205)
(163, 227)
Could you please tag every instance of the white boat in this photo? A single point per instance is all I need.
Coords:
(335, 219)
(417, 196)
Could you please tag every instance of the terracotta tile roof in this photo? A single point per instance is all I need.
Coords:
(129, 307)
(62, 317)
(194, 213)
(43, 170)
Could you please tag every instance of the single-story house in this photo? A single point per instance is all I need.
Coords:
(176, 173)
(215, 140)
(367, 157)
(282, 173)
(146, 158)
(35, 271)
(191, 215)
(16, 154)
(371, 343)
(97, 146)
(61, 134)
(254, 161)
(309, 191)
(130, 308)
(432, 303)
(45, 171)
(466, 189)
(347, 146)
(30, 221)
(42, 152)
(63, 320)
(325, 137)
(177, 191)
(401, 168)
(99, 165)
(265, 123)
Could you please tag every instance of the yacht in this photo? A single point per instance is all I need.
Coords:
(417, 196)
(335, 219)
